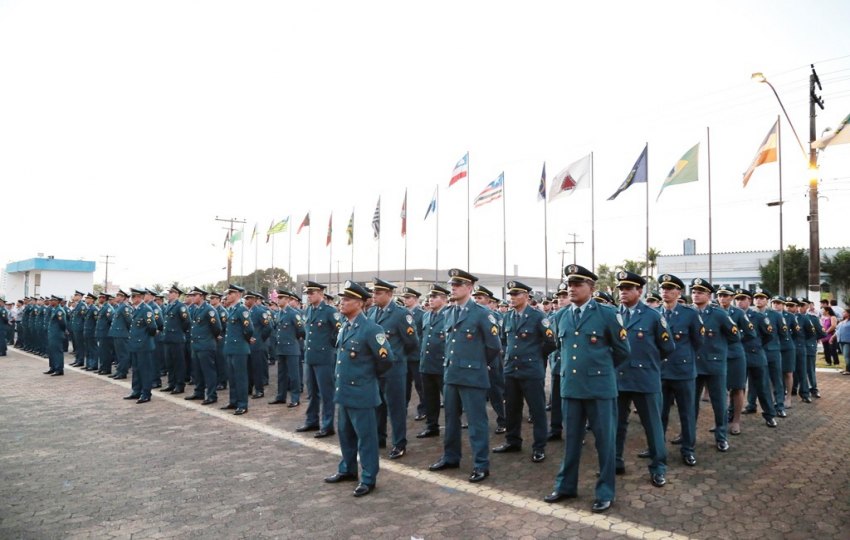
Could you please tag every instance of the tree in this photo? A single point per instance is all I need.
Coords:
(264, 280)
(838, 268)
(652, 257)
(796, 263)
(636, 267)
(607, 280)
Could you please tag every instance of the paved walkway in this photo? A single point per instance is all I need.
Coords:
(77, 461)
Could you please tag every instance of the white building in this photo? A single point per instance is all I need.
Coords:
(47, 276)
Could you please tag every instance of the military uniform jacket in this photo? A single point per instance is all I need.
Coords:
(418, 314)
(776, 323)
(176, 322)
(78, 316)
(400, 329)
(4, 317)
(754, 344)
(814, 332)
(798, 333)
(91, 320)
(104, 321)
(529, 338)
(239, 330)
(157, 319)
(142, 329)
(261, 318)
(555, 356)
(363, 353)
(786, 332)
(57, 323)
(472, 343)
(720, 331)
(685, 327)
(121, 321)
(649, 341)
(433, 350)
(745, 328)
(591, 351)
(206, 327)
(290, 329)
(222, 317)
(321, 327)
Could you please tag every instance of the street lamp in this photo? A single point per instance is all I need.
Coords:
(760, 78)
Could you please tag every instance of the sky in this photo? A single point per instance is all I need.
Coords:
(126, 128)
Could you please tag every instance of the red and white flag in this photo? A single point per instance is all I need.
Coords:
(574, 177)
(766, 153)
(461, 170)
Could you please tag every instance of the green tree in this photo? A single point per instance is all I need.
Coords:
(652, 257)
(607, 280)
(796, 266)
(636, 267)
(838, 268)
(264, 280)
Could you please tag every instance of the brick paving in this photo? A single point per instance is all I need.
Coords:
(77, 461)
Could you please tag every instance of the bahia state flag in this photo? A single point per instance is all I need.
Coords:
(461, 170)
(492, 192)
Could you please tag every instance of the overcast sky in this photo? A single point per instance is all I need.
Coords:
(127, 127)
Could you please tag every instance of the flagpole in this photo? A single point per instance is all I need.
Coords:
(274, 280)
(781, 203)
(437, 234)
(331, 252)
(405, 237)
(352, 244)
(242, 258)
(289, 266)
(592, 218)
(710, 248)
(647, 208)
(545, 237)
(309, 236)
(504, 239)
(468, 241)
(256, 259)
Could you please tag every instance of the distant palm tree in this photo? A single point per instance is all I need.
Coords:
(652, 258)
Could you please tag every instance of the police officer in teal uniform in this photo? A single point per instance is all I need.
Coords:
(105, 351)
(556, 416)
(529, 339)
(431, 357)
(639, 379)
(814, 333)
(787, 346)
(679, 371)
(496, 394)
(289, 331)
(77, 317)
(141, 346)
(603, 298)
(258, 360)
(757, 374)
(363, 353)
(321, 325)
(410, 298)
(160, 368)
(6, 327)
(57, 324)
(736, 359)
(720, 332)
(89, 328)
(237, 349)
(176, 321)
(220, 362)
(119, 332)
(772, 350)
(473, 346)
(205, 329)
(593, 344)
(799, 382)
(400, 329)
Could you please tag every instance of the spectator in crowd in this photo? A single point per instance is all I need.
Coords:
(842, 337)
(830, 349)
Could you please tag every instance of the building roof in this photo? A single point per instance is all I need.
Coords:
(50, 264)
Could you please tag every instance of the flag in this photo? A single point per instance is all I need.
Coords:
(254, 233)
(432, 206)
(461, 170)
(685, 170)
(541, 189)
(490, 193)
(766, 153)
(235, 237)
(330, 229)
(376, 221)
(570, 179)
(840, 135)
(226, 239)
(279, 227)
(350, 229)
(404, 216)
(638, 174)
(305, 223)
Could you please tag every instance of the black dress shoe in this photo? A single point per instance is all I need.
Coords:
(293, 405)
(771, 422)
(556, 496)
(419, 417)
(807, 399)
(277, 402)
(177, 391)
(600, 506)
(165, 388)
(362, 490)
(396, 452)
(505, 448)
(537, 456)
(442, 464)
(554, 437)
(722, 446)
(209, 401)
(676, 440)
(132, 396)
(500, 430)
(221, 387)
(428, 433)
(620, 471)
(119, 377)
(258, 396)
(240, 411)
(690, 460)
(657, 480)
(322, 433)
(57, 374)
(193, 397)
(302, 429)
(782, 414)
(645, 454)
(340, 477)
(49, 372)
(143, 400)
(228, 407)
(748, 411)
(816, 393)
(477, 475)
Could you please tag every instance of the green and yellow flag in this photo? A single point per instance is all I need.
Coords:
(279, 227)
(685, 170)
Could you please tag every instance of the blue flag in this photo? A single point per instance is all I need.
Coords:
(638, 174)
(432, 206)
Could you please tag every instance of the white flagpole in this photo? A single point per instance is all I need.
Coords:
(710, 248)
(592, 217)
(545, 236)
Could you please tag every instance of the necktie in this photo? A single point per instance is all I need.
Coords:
(627, 314)
(667, 314)
(576, 315)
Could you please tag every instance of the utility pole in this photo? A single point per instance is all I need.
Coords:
(574, 243)
(562, 253)
(814, 226)
(229, 230)
(106, 275)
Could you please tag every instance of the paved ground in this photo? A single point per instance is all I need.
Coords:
(76, 461)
